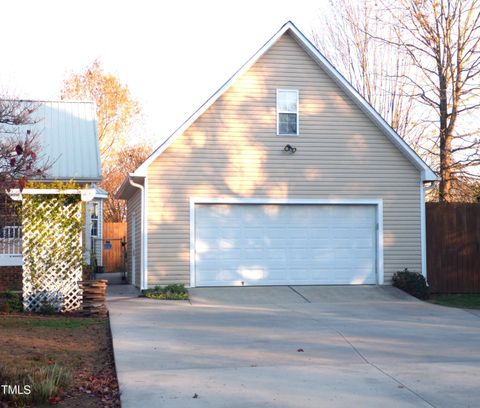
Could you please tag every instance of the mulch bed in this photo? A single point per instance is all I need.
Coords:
(81, 344)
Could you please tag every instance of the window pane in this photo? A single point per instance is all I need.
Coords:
(287, 101)
(94, 210)
(287, 123)
(94, 231)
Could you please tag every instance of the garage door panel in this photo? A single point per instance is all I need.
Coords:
(323, 255)
(274, 255)
(319, 244)
(284, 244)
(254, 253)
(299, 254)
(296, 244)
(362, 243)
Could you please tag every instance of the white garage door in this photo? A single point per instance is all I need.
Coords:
(281, 244)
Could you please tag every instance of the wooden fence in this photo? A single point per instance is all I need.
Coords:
(453, 247)
(113, 252)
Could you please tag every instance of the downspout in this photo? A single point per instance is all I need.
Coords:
(423, 226)
(142, 234)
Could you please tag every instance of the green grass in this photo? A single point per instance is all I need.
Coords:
(169, 292)
(49, 322)
(464, 301)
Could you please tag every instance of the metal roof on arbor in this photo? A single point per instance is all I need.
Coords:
(68, 139)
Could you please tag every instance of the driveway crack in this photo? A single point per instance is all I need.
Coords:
(299, 294)
(472, 313)
(383, 371)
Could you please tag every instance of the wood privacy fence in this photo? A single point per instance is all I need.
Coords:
(453, 247)
(113, 235)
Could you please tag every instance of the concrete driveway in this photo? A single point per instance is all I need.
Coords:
(295, 347)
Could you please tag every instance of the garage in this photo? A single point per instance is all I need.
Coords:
(237, 244)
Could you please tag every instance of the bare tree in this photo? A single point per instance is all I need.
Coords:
(417, 62)
(19, 147)
(377, 69)
(441, 39)
(126, 161)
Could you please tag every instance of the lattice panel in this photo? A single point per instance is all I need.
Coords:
(52, 253)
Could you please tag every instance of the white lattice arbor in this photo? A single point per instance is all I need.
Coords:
(52, 226)
(52, 251)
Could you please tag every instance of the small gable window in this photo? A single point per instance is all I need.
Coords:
(287, 112)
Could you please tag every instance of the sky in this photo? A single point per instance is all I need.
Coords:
(172, 55)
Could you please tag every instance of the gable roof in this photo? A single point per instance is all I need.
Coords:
(426, 173)
(67, 137)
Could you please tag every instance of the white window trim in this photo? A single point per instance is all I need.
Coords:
(278, 112)
(93, 203)
(378, 202)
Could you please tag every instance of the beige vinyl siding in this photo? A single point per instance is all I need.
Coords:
(232, 150)
(134, 209)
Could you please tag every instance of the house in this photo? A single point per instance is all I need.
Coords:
(67, 139)
(286, 175)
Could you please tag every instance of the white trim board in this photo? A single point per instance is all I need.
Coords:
(144, 280)
(426, 173)
(11, 260)
(133, 247)
(378, 202)
(423, 230)
(86, 194)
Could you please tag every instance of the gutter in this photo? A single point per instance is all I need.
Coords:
(143, 234)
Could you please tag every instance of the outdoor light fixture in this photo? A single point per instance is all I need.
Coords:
(290, 149)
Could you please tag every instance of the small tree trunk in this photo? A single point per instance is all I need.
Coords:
(445, 187)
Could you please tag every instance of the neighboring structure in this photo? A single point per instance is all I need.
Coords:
(67, 136)
(94, 245)
(286, 175)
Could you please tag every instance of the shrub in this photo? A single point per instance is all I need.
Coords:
(175, 289)
(413, 283)
(169, 292)
(48, 308)
(12, 301)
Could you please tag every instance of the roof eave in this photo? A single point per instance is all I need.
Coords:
(67, 179)
(429, 176)
(126, 190)
(119, 193)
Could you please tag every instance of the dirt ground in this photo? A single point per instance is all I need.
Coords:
(83, 345)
